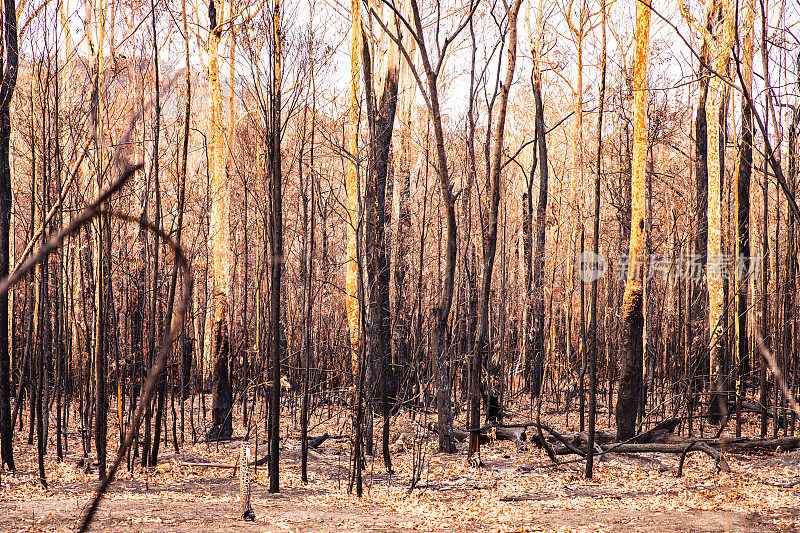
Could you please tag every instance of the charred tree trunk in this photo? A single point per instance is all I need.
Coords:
(403, 235)
(630, 356)
(596, 250)
(698, 291)
(221, 401)
(743, 272)
(99, 335)
(442, 310)
(537, 348)
(381, 129)
(9, 80)
(276, 255)
(162, 383)
(490, 243)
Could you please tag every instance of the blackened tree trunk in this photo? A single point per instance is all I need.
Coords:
(43, 353)
(276, 255)
(630, 353)
(596, 250)
(490, 242)
(161, 391)
(9, 82)
(381, 116)
(698, 293)
(99, 336)
(442, 311)
(371, 327)
(743, 214)
(402, 311)
(186, 362)
(308, 350)
(788, 339)
(537, 334)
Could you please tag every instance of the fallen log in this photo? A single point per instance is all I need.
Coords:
(784, 485)
(522, 498)
(600, 437)
(526, 425)
(516, 433)
(581, 440)
(561, 439)
(649, 447)
(315, 442)
(756, 445)
(205, 465)
(720, 463)
(261, 462)
(727, 445)
(512, 434)
(458, 434)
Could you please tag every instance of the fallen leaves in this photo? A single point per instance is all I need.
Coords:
(517, 490)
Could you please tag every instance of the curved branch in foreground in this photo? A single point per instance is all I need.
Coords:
(158, 366)
(87, 215)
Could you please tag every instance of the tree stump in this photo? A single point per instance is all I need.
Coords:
(246, 511)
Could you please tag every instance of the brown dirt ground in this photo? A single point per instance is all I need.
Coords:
(516, 490)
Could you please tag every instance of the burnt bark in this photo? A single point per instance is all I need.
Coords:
(490, 241)
(381, 117)
(9, 81)
(538, 326)
(276, 216)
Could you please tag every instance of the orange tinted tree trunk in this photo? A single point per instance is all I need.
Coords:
(630, 356)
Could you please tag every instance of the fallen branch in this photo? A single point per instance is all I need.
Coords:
(458, 434)
(720, 464)
(512, 434)
(261, 462)
(206, 465)
(539, 439)
(784, 485)
(727, 445)
(317, 441)
(756, 445)
(518, 498)
(545, 427)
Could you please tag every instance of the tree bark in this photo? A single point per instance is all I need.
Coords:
(99, 336)
(351, 297)
(745, 167)
(596, 250)
(219, 233)
(9, 80)
(538, 327)
(403, 234)
(308, 325)
(716, 303)
(490, 243)
(161, 383)
(630, 357)
(442, 311)
(277, 257)
(381, 129)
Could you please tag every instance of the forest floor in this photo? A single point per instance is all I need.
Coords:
(517, 489)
